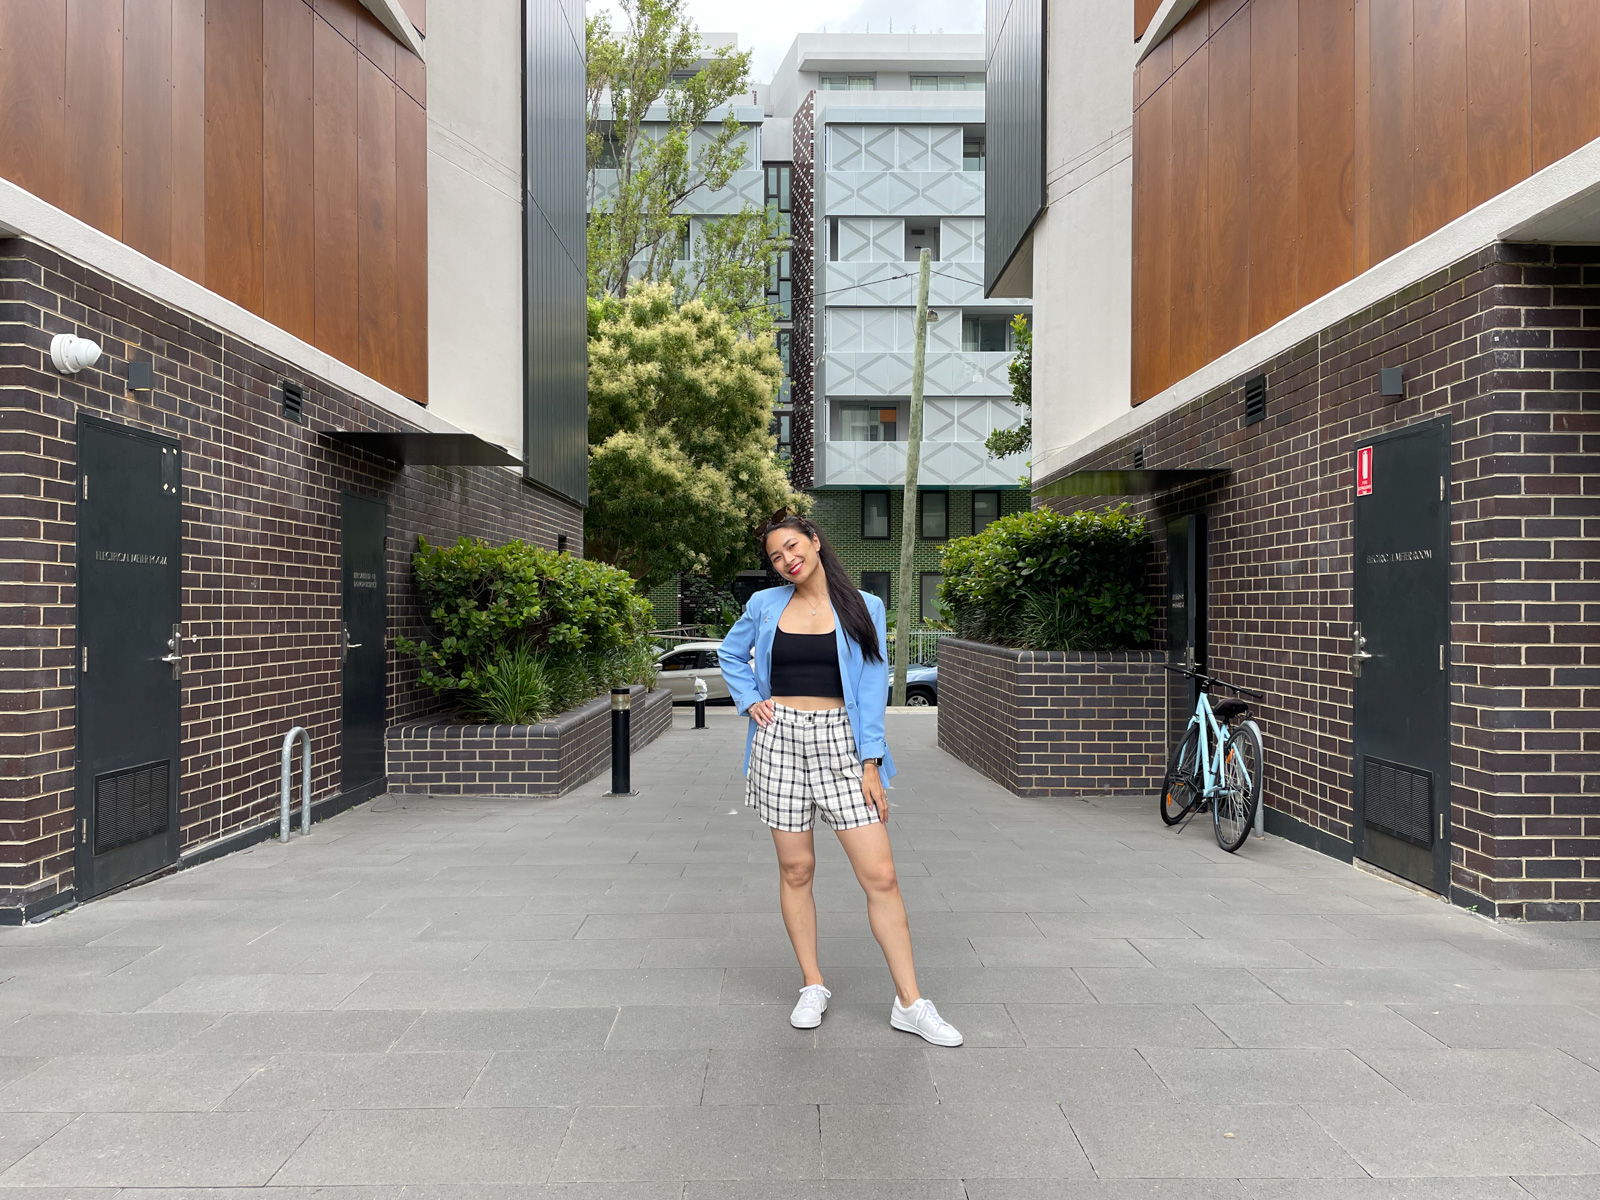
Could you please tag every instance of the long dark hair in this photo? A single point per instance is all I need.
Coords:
(847, 603)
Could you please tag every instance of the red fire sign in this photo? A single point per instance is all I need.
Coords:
(1364, 471)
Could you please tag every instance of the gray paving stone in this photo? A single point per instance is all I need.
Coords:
(1269, 1140)
(1423, 954)
(163, 1150)
(1478, 1187)
(827, 1189)
(1075, 926)
(322, 1082)
(1348, 1026)
(688, 1143)
(532, 1078)
(868, 1025)
(1343, 985)
(698, 1026)
(588, 989)
(1269, 1076)
(952, 1141)
(1105, 1189)
(1559, 1187)
(1110, 1025)
(544, 956)
(139, 1083)
(1174, 985)
(824, 1075)
(256, 993)
(21, 1132)
(1446, 1139)
(264, 1034)
(1069, 1077)
(459, 1146)
(1054, 952)
(445, 989)
(1525, 1074)
(1221, 952)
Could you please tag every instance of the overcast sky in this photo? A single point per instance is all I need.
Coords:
(769, 27)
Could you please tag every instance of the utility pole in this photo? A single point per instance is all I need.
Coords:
(908, 524)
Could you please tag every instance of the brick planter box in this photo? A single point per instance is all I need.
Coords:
(446, 758)
(1043, 723)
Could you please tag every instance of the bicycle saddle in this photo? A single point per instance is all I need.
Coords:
(1227, 710)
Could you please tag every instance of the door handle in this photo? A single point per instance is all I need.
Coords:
(174, 655)
(1358, 653)
(346, 644)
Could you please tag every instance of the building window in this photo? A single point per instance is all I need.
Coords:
(933, 513)
(985, 508)
(783, 430)
(684, 247)
(875, 516)
(780, 288)
(986, 334)
(877, 583)
(860, 423)
(947, 83)
(847, 83)
(609, 157)
(922, 234)
(974, 147)
(928, 606)
(784, 340)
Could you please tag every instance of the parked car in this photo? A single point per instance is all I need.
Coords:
(922, 685)
(682, 665)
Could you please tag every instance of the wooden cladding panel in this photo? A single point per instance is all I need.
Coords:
(233, 152)
(337, 91)
(33, 116)
(1565, 84)
(411, 236)
(288, 283)
(1144, 12)
(1336, 133)
(147, 129)
(189, 138)
(377, 266)
(92, 151)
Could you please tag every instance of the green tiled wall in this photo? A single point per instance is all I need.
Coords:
(839, 515)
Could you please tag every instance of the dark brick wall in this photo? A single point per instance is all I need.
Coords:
(1507, 344)
(442, 757)
(1049, 724)
(261, 587)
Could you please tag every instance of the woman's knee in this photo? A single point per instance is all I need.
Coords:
(797, 872)
(879, 879)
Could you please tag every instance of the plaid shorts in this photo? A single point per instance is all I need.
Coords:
(804, 763)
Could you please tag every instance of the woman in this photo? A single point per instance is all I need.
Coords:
(806, 661)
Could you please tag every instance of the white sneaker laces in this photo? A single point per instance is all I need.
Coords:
(924, 1008)
(808, 994)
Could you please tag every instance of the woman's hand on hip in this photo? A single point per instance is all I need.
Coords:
(872, 790)
(762, 711)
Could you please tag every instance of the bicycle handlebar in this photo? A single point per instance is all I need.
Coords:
(1214, 681)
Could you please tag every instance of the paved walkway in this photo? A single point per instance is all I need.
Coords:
(586, 998)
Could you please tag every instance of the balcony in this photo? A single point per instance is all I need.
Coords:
(744, 188)
(888, 373)
(894, 284)
(943, 464)
(890, 193)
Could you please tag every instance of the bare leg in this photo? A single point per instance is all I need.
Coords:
(867, 847)
(797, 863)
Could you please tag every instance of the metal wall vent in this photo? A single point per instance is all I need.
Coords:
(1398, 800)
(294, 399)
(130, 805)
(1138, 458)
(1255, 399)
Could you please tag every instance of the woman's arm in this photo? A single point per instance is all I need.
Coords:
(874, 688)
(734, 655)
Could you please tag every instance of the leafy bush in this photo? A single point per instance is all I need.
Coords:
(1048, 581)
(524, 633)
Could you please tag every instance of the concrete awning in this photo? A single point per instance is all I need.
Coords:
(418, 448)
(1126, 482)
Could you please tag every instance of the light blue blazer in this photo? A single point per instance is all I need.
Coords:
(746, 656)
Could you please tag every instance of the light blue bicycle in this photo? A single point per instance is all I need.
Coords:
(1217, 765)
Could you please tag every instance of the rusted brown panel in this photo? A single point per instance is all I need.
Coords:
(336, 87)
(1152, 246)
(1274, 186)
(411, 235)
(1566, 79)
(33, 84)
(1190, 33)
(376, 42)
(1222, 12)
(1361, 160)
(1153, 72)
(376, 249)
(147, 128)
(233, 151)
(1498, 101)
(1228, 213)
(412, 76)
(189, 138)
(288, 202)
(1439, 162)
(1326, 145)
(343, 15)
(1389, 127)
(1144, 12)
(417, 10)
(1188, 322)
(92, 151)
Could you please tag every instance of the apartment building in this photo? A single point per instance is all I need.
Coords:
(1317, 289)
(882, 139)
(284, 285)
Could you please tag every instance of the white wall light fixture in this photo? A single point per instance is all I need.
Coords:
(72, 354)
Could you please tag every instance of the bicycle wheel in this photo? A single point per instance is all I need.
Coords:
(1235, 808)
(1179, 788)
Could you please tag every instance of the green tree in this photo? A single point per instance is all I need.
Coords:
(653, 145)
(682, 467)
(1004, 442)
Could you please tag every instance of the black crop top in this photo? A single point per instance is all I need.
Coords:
(806, 664)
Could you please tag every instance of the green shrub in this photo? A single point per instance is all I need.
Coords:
(524, 633)
(1048, 581)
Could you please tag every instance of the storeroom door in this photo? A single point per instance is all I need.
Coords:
(365, 525)
(130, 647)
(1400, 654)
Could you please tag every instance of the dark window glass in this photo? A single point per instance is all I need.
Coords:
(985, 334)
(985, 508)
(876, 582)
(929, 608)
(973, 147)
(935, 515)
(785, 428)
(875, 516)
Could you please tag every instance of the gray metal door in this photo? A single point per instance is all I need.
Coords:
(130, 646)
(365, 525)
(1402, 621)
(1186, 614)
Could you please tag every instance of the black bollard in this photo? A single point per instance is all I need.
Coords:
(621, 699)
(699, 703)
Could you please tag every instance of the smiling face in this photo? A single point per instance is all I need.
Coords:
(793, 554)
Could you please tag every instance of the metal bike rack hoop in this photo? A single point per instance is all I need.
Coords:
(284, 822)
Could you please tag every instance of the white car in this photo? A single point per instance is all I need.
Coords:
(682, 665)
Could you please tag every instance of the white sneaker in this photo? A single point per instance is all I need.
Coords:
(813, 1003)
(923, 1019)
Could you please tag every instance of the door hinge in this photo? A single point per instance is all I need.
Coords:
(1441, 656)
(1441, 487)
(83, 830)
(83, 667)
(86, 487)
(1441, 827)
